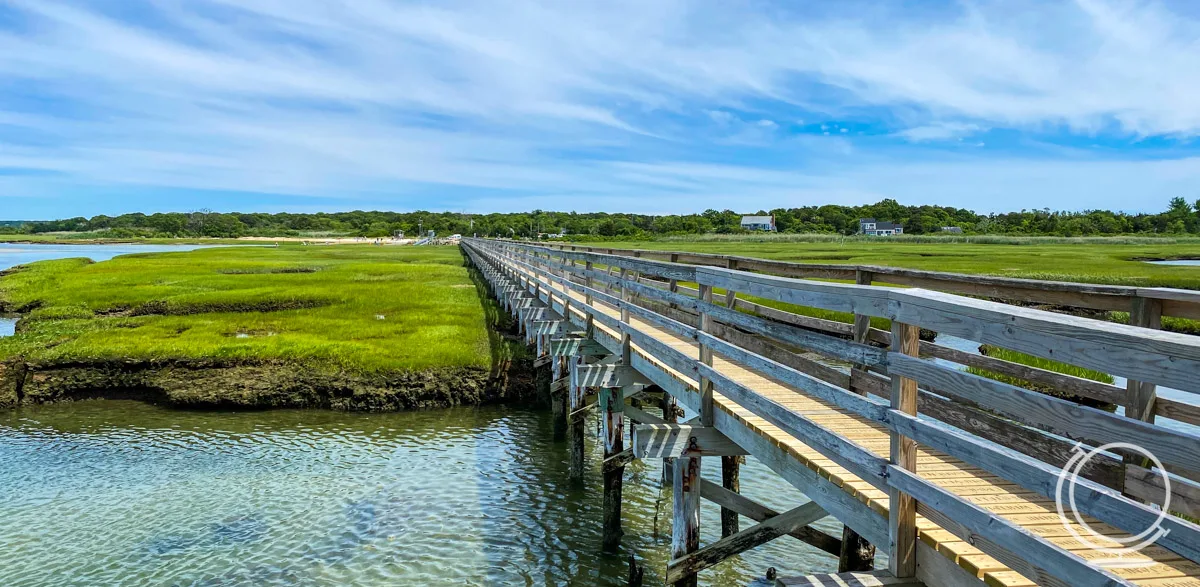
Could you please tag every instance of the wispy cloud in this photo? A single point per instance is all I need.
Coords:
(591, 105)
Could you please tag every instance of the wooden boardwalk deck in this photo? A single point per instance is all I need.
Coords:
(1030, 510)
(1033, 512)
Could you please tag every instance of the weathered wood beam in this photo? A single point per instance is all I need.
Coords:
(612, 404)
(577, 345)
(849, 579)
(731, 472)
(685, 514)
(681, 440)
(789, 521)
(609, 376)
(755, 511)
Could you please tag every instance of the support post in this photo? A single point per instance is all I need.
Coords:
(731, 471)
(576, 426)
(902, 511)
(668, 416)
(857, 553)
(685, 512)
(543, 375)
(558, 399)
(1140, 396)
(612, 404)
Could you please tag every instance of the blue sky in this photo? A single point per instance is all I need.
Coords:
(640, 105)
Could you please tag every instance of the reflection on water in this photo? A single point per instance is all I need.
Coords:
(1176, 262)
(12, 255)
(108, 492)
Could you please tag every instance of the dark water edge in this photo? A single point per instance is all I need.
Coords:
(103, 492)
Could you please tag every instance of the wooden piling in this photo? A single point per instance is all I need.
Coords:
(668, 415)
(575, 425)
(558, 399)
(857, 553)
(685, 512)
(731, 468)
(612, 405)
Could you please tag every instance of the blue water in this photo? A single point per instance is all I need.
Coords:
(12, 255)
(1191, 262)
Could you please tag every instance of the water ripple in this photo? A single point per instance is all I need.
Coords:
(111, 492)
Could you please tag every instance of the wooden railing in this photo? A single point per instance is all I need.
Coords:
(989, 424)
(1146, 307)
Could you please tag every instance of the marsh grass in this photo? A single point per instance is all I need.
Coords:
(1112, 260)
(1046, 364)
(352, 308)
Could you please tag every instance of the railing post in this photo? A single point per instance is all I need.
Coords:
(857, 553)
(1140, 396)
(612, 407)
(706, 387)
(587, 296)
(730, 295)
(902, 511)
(673, 284)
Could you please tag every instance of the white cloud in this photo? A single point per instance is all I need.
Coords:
(379, 98)
(939, 132)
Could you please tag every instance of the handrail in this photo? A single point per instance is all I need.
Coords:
(1152, 356)
(1159, 357)
(1181, 303)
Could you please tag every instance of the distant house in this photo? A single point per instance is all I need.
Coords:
(872, 227)
(766, 223)
(953, 229)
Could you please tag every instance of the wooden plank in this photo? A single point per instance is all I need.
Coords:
(1056, 415)
(1148, 485)
(681, 440)
(902, 510)
(1155, 356)
(855, 579)
(1092, 499)
(608, 376)
(772, 528)
(808, 384)
(1060, 381)
(567, 347)
(828, 494)
(844, 452)
(1038, 558)
(749, 508)
(823, 343)
(936, 569)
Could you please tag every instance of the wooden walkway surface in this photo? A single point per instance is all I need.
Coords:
(1153, 566)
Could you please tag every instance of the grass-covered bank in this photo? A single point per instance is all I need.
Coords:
(355, 327)
(1113, 261)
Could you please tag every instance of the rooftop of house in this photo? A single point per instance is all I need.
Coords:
(756, 219)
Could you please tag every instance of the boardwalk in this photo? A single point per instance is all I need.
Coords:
(838, 447)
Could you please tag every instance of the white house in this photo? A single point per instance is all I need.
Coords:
(871, 227)
(766, 223)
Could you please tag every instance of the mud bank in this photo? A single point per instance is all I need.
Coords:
(214, 386)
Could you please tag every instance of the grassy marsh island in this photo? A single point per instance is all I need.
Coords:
(345, 327)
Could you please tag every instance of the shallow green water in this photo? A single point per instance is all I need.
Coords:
(117, 492)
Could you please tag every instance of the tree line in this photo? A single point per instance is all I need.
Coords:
(1180, 217)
